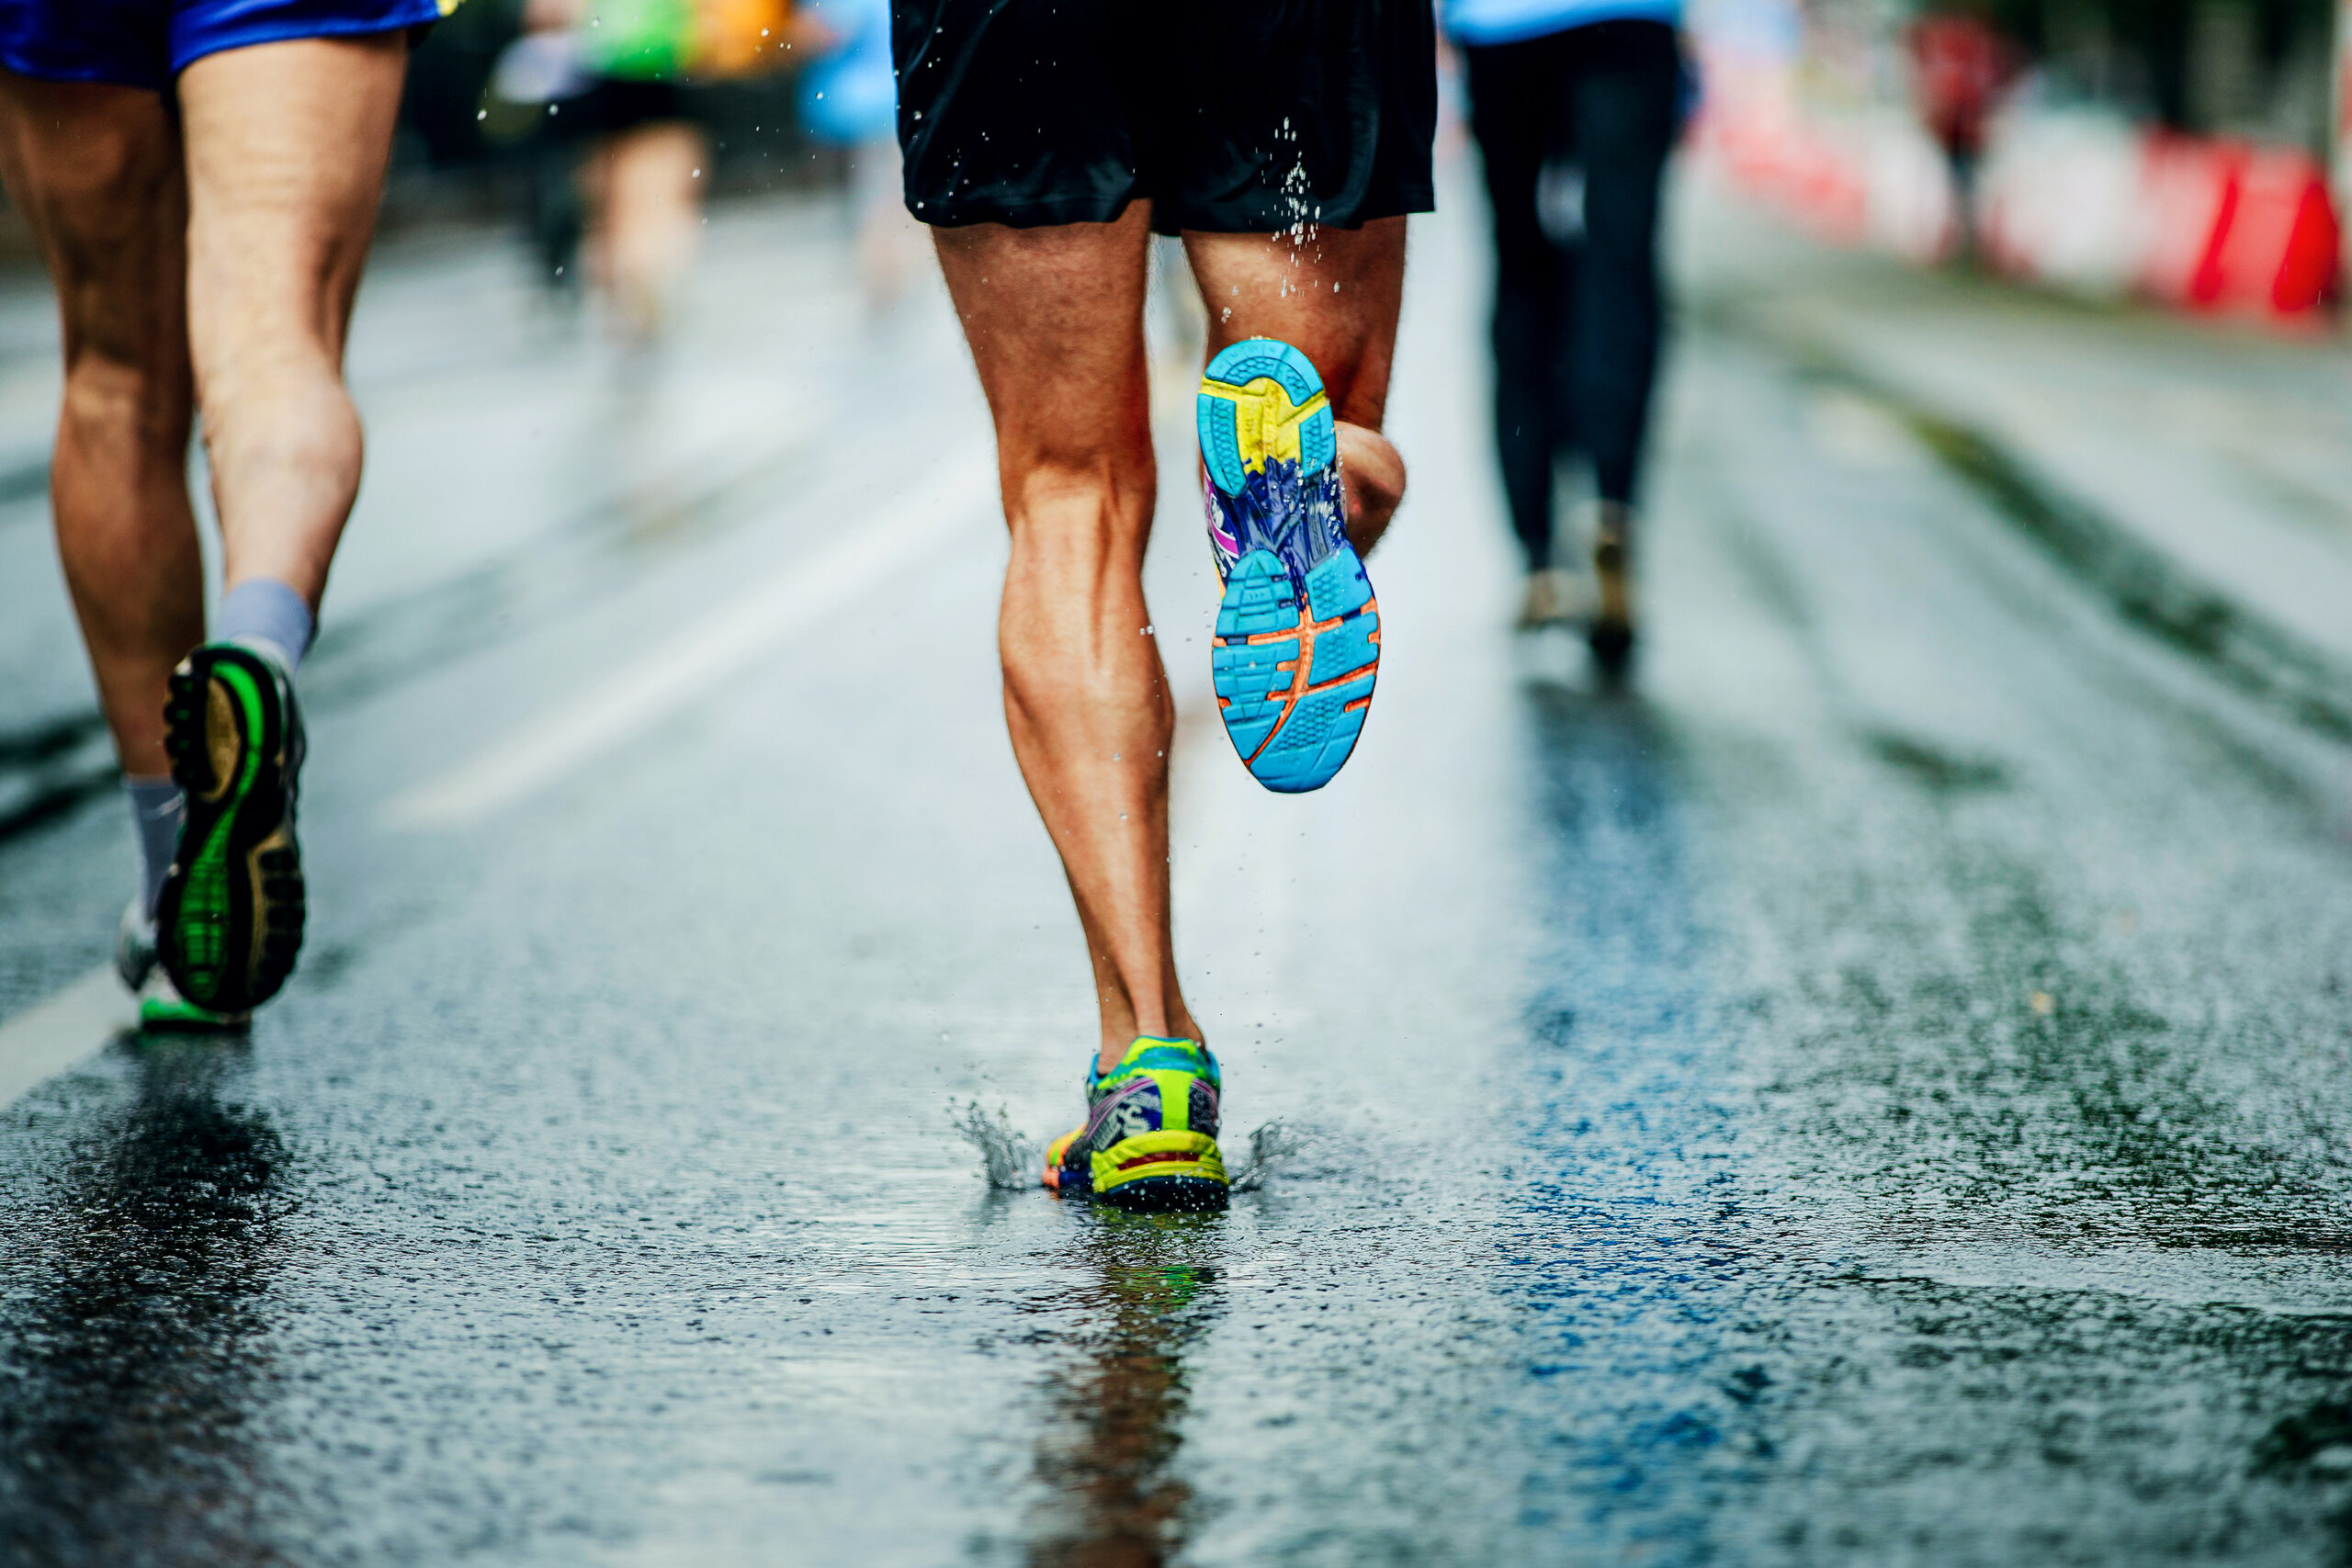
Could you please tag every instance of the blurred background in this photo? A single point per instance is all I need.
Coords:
(2178, 150)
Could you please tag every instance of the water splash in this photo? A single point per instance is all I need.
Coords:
(1269, 1146)
(1011, 1160)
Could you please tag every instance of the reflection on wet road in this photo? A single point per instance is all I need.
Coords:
(1113, 1412)
(1625, 1241)
(1875, 1090)
(135, 1361)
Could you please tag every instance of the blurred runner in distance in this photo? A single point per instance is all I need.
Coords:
(650, 161)
(849, 99)
(536, 94)
(1961, 68)
(1573, 105)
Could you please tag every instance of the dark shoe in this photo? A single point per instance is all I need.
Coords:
(1611, 634)
(229, 920)
(1548, 599)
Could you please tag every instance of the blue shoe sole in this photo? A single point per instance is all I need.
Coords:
(1294, 681)
(1294, 670)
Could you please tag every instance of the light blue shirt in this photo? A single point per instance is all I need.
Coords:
(1476, 22)
(850, 95)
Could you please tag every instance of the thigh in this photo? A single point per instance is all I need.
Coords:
(1625, 109)
(1332, 293)
(95, 170)
(1517, 95)
(286, 147)
(1055, 320)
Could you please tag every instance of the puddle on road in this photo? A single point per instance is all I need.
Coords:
(1011, 1160)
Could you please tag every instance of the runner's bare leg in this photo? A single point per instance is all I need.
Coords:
(1055, 320)
(1334, 295)
(95, 169)
(287, 148)
(646, 191)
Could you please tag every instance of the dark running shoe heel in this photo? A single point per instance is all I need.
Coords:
(1170, 1195)
(1611, 634)
(229, 922)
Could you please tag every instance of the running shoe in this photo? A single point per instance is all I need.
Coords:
(1150, 1142)
(161, 1005)
(1297, 643)
(134, 945)
(1611, 634)
(229, 920)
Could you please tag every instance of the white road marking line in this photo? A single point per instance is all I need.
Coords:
(71, 1024)
(957, 493)
(59, 1033)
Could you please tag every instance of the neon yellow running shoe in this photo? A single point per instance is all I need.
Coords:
(1150, 1142)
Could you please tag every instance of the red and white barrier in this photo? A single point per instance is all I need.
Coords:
(2079, 201)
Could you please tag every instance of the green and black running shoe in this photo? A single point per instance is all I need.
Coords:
(161, 1007)
(229, 920)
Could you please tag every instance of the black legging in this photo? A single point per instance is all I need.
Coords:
(1577, 324)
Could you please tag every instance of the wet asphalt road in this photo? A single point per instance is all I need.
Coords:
(1874, 1092)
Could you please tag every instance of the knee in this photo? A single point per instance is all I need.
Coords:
(116, 401)
(1082, 498)
(274, 375)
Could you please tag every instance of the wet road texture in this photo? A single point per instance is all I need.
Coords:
(1874, 1091)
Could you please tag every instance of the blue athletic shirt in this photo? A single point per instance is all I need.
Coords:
(1476, 22)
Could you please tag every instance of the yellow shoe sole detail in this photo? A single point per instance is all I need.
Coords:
(1150, 1155)
(1266, 423)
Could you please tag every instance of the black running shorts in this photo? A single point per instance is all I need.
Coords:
(1239, 117)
